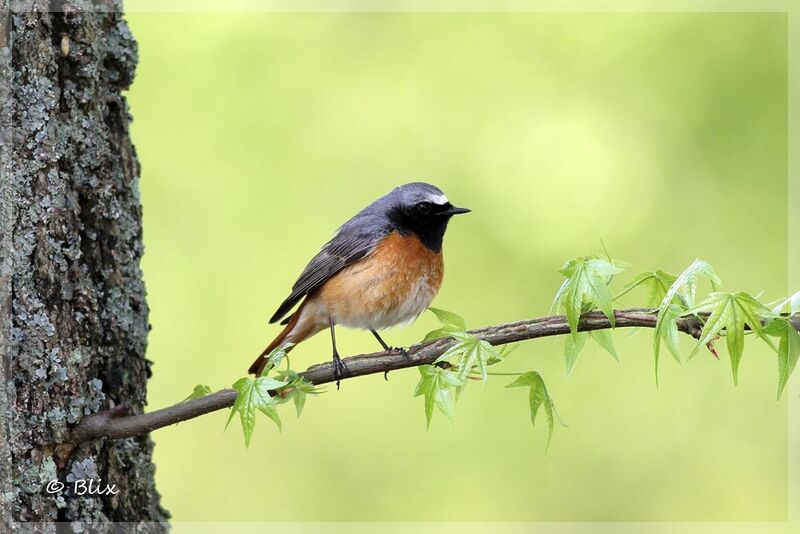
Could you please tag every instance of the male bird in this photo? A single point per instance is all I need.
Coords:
(382, 268)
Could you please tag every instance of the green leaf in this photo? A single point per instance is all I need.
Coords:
(451, 324)
(557, 300)
(586, 287)
(253, 395)
(657, 284)
(298, 388)
(788, 348)
(538, 398)
(275, 357)
(198, 392)
(792, 303)
(469, 353)
(573, 345)
(445, 331)
(437, 385)
(448, 318)
(678, 298)
(606, 341)
(685, 286)
(730, 312)
(667, 330)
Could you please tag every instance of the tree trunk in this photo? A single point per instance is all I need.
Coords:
(73, 315)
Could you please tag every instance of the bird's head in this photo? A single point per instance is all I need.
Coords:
(422, 209)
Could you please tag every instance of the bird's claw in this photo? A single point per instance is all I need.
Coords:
(339, 369)
(399, 350)
(396, 350)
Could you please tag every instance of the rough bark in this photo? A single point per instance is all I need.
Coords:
(73, 315)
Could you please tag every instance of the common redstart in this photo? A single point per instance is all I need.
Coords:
(382, 268)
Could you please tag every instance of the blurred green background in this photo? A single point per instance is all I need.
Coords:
(664, 135)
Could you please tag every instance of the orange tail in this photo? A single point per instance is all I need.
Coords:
(261, 361)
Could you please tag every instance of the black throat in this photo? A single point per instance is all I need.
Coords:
(430, 229)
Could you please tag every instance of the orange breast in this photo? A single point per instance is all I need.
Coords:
(392, 285)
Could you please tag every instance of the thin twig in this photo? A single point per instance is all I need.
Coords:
(111, 425)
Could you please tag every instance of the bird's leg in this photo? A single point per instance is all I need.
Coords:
(387, 348)
(339, 368)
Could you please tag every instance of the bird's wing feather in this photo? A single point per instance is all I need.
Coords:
(341, 251)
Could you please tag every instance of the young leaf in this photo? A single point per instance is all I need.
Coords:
(275, 357)
(299, 398)
(448, 318)
(586, 284)
(437, 385)
(298, 389)
(198, 392)
(685, 286)
(253, 395)
(678, 298)
(445, 331)
(606, 341)
(451, 324)
(573, 345)
(657, 284)
(792, 303)
(470, 352)
(731, 312)
(788, 348)
(559, 296)
(666, 330)
(538, 398)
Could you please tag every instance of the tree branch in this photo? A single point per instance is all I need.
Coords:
(113, 425)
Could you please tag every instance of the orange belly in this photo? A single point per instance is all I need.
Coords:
(392, 285)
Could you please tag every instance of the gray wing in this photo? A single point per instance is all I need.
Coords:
(349, 246)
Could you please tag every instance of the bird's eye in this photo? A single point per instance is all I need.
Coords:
(424, 208)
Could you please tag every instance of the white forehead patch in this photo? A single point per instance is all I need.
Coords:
(437, 199)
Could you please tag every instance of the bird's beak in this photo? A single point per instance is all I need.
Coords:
(454, 210)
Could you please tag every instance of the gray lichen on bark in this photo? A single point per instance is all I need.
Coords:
(73, 315)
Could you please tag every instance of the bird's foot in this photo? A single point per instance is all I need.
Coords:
(339, 369)
(399, 350)
(396, 350)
